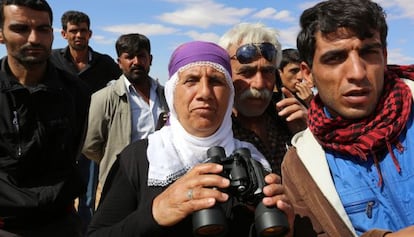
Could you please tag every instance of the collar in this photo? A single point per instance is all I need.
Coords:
(66, 53)
(51, 79)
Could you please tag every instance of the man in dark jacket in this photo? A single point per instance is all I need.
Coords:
(96, 70)
(42, 124)
(79, 58)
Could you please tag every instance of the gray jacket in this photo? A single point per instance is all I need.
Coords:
(109, 124)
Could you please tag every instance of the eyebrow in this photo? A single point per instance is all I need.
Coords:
(20, 24)
(374, 45)
(249, 67)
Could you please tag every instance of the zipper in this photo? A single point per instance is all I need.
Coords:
(368, 209)
(17, 127)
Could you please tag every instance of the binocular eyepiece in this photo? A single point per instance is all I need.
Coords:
(246, 184)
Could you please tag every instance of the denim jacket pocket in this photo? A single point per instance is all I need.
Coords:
(366, 206)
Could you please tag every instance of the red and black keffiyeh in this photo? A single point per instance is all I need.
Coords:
(367, 137)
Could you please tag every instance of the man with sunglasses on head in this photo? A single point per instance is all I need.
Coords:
(255, 56)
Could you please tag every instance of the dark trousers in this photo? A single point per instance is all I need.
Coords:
(86, 207)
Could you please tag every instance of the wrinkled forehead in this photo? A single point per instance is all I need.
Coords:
(215, 66)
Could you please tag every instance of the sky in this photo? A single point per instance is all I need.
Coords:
(169, 23)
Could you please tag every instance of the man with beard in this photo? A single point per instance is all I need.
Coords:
(130, 109)
(96, 70)
(42, 124)
(255, 56)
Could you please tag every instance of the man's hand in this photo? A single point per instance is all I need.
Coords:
(304, 92)
(295, 113)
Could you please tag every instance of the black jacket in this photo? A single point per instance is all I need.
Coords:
(126, 203)
(101, 69)
(41, 133)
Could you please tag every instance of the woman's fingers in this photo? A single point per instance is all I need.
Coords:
(193, 191)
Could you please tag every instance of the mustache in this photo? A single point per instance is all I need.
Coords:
(137, 67)
(256, 94)
(33, 46)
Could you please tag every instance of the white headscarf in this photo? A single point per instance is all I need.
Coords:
(172, 151)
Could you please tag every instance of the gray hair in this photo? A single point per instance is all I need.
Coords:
(246, 33)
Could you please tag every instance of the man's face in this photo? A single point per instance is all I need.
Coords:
(135, 65)
(348, 72)
(77, 35)
(253, 84)
(27, 35)
(291, 76)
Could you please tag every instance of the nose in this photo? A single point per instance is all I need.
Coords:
(78, 33)
(258, 81)
(356, 68)
(298, 76)
(204, 90)
(33, 37)
(135, 60)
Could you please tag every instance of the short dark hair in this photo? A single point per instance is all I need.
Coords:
(74, 17)
(289, 56)
(360, 16)
(38, 5)
(131, 43)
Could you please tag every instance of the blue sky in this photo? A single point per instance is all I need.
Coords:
(168, 23)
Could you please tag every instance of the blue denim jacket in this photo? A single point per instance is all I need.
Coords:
(369, 205)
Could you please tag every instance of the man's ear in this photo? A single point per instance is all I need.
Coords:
(1, 36)
(306, 71)
(63, 33)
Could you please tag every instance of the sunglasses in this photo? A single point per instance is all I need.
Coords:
(249, 52)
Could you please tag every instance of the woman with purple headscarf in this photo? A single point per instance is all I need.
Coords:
(158, 183)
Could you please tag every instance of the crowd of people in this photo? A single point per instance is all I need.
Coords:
(244, 138)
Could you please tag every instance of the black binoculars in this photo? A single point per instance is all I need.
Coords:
(246, 184)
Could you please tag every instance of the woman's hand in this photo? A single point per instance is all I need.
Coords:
(275, 196)
(190, 193)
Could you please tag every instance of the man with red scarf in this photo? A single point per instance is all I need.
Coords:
(351, 172)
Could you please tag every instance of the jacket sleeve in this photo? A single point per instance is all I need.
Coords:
(15, 199)
(97, 132)
(314, 216)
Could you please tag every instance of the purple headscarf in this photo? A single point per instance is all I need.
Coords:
(172, 151)
(196, 51)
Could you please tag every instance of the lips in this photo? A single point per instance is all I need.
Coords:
(359, 96)
(203, 109)
(358, 92)
(34, 50)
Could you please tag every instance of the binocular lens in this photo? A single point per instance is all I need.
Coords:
(210, 230)
(272, 231)
(209, 222)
